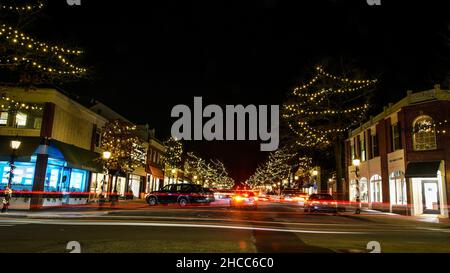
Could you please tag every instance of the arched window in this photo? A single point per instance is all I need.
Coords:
(375, 189)
(424, 134)
(364, 191)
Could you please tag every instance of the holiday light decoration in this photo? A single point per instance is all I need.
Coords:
(427, 126)
(120, 139)
(10, 104)
(276, 168)
(24, 7)
(26, 46)
(326, 107)
(211, 173)
(173, 153)
(28, 56)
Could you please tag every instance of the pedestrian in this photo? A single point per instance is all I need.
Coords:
(5, 205)
(6, 199)
(114, 198)
(101, 201)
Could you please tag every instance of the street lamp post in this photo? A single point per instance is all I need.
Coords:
(105, 156)
(356, 162)
(315, 173)
(15, 145)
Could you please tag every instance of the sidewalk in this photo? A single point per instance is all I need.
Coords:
(392, 218)
(91, 209)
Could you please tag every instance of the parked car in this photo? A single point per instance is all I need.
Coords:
(183, 194)
(321, 203)
(244, 199)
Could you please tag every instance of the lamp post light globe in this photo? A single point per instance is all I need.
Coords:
(356, 162)
(315, 173)
(15, 144)
(106, 155)
(295, 177)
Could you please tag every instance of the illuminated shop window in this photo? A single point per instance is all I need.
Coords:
(4, 118)
(78, 180)
(21, 119)
(23, 175)
(398, 188)
(363, 190)
(424, 134)
(375, 189)
(53, 175)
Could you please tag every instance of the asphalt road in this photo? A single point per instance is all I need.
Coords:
(273, 227)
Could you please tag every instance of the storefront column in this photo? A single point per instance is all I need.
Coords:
(409, 197)
(39, 176)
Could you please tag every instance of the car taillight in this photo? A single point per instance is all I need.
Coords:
(238, 198)
(255, 198)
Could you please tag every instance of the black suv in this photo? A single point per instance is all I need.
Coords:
(182, 194)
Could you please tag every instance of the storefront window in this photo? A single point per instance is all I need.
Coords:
(375, 189)
(398, 188)
(53, 175)
(364, 191)
(78, 180)
(23, 175)
(353, 190)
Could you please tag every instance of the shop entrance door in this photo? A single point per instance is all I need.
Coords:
(430, 197)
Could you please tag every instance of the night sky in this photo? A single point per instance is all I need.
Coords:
(146, 58)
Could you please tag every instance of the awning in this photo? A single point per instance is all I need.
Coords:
(140, 171)
(27, 147)
(79, 158)
(156, 172)
(422, 169)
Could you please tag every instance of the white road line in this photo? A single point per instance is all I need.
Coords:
(153, 224)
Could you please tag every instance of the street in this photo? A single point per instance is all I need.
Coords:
(272, 228)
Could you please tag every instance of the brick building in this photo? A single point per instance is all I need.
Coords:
(405, 156)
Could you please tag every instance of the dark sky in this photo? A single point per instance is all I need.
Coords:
(146, 58)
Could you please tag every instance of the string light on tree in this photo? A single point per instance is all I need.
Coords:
(33, 61)
(325, 107)
(120, 139)
(31, 7)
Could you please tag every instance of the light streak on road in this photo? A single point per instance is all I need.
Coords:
(185, 225)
